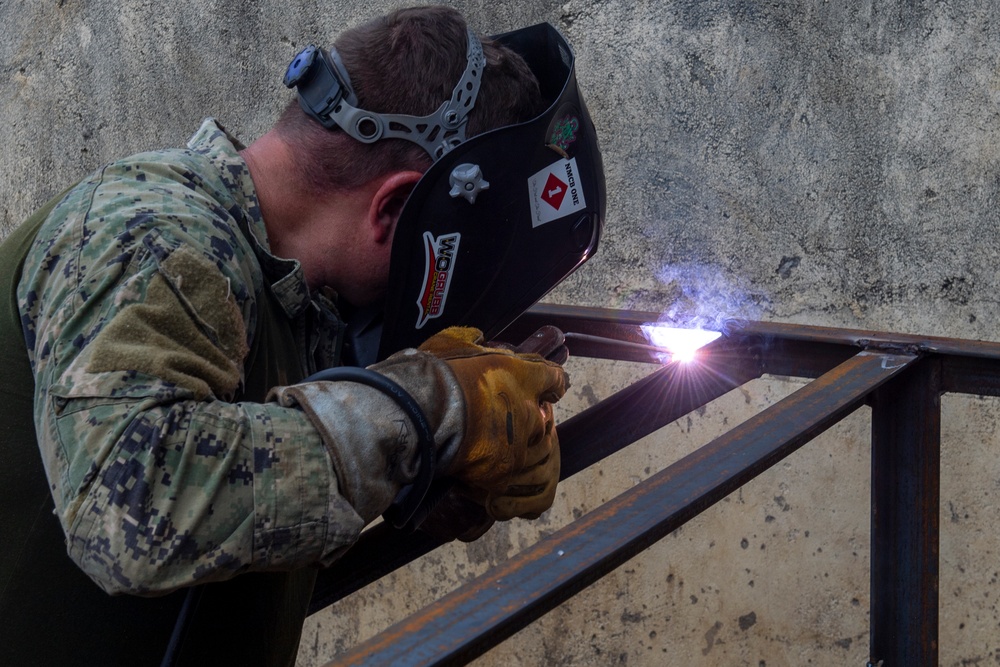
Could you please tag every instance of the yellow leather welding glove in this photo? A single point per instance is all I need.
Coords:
(508, 458)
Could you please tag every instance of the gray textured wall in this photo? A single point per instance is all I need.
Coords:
(818, 161)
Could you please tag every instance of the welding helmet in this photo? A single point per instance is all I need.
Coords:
(499, 219)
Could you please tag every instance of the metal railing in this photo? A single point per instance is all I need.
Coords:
(901, 377)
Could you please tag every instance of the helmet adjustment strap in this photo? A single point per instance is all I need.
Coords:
(325, 93)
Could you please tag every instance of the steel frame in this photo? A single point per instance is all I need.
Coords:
(901, 377)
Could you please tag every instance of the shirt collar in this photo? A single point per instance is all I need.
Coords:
(285, 275)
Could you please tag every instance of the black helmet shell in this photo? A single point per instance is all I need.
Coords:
(502, 218)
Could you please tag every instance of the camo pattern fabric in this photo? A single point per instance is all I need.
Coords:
(139, 303)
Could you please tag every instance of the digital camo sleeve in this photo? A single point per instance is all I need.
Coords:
(136, 302)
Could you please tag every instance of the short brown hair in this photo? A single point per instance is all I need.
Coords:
(407, 62)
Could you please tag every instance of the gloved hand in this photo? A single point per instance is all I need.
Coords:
(508, 457)
(456, 516)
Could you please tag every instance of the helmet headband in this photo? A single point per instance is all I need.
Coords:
(325, 93)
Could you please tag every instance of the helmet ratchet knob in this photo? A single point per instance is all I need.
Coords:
(467, 181)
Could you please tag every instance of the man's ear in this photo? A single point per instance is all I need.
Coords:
(387, 203)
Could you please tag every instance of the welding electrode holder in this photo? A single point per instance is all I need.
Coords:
(403, 512)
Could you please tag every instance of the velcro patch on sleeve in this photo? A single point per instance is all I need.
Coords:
(188, 330)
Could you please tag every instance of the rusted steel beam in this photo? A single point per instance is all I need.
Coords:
(473, 619)
(625, 323)
(749, 349)
(970, 367)
(786, 355)
(585, 439)
(656, 400)
(906, 439)
(970, 375)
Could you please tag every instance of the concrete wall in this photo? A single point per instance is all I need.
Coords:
(812, 161)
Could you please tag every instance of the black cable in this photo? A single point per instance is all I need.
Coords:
(181, 626)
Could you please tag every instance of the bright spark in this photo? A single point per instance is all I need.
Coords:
(682, 344)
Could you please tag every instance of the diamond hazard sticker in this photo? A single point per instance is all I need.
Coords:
(440, 258)
(555, 192)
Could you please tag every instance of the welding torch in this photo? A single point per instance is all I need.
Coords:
(617, 344)
(667, 344)
(676, 344)
(551, 343)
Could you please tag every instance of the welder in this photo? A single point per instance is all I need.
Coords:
(174, 416)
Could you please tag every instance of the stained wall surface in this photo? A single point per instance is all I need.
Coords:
(810, 161)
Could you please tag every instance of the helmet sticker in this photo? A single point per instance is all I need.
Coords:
(555, 192)
(440, 257)
(563, 134)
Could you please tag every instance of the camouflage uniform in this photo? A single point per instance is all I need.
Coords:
(143, 301)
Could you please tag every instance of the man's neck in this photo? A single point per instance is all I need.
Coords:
(325, 233)
(284, 207)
